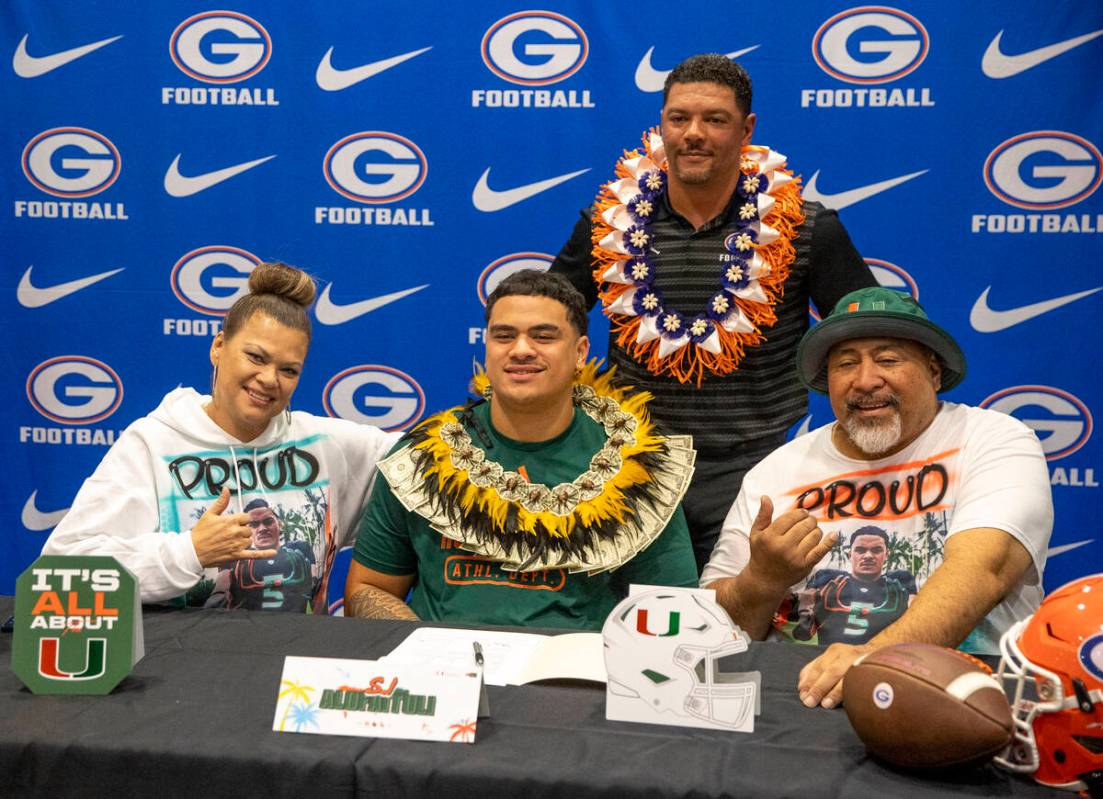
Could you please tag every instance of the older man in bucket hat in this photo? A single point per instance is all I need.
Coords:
(964, 492)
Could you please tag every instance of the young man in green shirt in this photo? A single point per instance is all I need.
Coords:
(536, 507)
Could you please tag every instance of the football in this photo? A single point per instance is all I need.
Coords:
(925, 706)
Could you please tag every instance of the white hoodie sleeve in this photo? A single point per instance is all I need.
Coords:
(115, 513)
(362, 446)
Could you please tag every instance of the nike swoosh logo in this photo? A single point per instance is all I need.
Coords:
(846, 198)
(34, 519)
(649, 79)
(332, 79)
(1052, 551)
(29, 66)
(985, 320)
(31, 296)
(181, 186)
(487, 199)
(996, 64)
(329, 313)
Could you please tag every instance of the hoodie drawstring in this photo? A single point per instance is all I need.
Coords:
(237, 476)
(256, 471)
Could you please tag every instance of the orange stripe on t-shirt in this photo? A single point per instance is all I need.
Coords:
(898, 467)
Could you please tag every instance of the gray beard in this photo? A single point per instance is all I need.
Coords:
(875, 438)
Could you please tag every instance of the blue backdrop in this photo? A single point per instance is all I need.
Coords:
(410, 155)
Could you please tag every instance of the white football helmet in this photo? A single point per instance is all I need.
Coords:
(665, 647)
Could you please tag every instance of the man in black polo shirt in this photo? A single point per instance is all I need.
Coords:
(705, 259)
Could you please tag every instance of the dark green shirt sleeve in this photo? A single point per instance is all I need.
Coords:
(668, 561)
(383, 542)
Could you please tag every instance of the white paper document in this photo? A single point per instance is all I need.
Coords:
(509, 658)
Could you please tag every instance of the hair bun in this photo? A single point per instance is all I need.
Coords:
(284, 281)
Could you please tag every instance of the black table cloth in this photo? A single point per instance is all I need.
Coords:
(194, 720)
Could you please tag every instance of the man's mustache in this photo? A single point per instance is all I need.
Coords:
(861, 403)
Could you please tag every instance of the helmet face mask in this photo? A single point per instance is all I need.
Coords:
(1036, 690)
(1052, 667)
(666, 649)
(719, 696)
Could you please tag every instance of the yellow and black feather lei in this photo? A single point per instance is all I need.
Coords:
(468, 497)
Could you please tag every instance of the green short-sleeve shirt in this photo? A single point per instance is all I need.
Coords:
(454, 585)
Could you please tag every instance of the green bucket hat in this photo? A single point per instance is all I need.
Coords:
(876, 312)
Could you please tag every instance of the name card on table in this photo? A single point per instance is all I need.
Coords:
(78, 625)
(331, 696)
(674, 656)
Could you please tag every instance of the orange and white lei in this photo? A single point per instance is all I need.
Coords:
(751, 278)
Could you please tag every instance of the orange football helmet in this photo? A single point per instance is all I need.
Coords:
(1052, 664)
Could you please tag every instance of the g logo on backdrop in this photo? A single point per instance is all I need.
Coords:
(845, 49)
(220, 48)
(194, 286)
(552, 48)
(208, 280)
(1040, 171)
(374, 168)
(1061, 420)
(378, 395)
(402, 166)
(71, 162)
(534, 49)
(74, 389)
(1043, 170)
(868, 46)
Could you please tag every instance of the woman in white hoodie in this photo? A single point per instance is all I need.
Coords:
(232, 499)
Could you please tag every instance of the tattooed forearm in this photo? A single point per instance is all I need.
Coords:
(370, 602)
